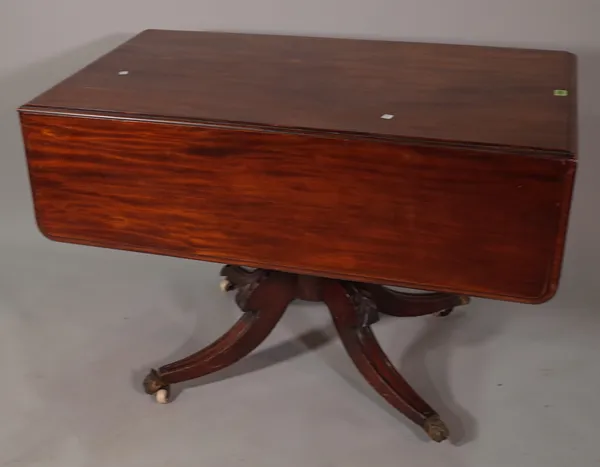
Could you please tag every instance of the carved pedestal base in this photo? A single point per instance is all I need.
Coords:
(264, 295)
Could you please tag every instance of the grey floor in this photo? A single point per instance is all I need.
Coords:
(79, 327)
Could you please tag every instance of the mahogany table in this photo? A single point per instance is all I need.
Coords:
(316, 169)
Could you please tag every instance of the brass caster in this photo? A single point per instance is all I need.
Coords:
(436, 429)
(154, 385)
(464, 300)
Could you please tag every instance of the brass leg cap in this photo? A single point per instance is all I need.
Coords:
(153, 383)
(436, 429)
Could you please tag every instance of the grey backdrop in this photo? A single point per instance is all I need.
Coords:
(79, 326)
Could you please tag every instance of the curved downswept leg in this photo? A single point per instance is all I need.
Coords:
(392, 302)
(264, 303)
(353, 312)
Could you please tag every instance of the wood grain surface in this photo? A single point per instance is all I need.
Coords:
(483, 223)
(456, 94)
(369, 358)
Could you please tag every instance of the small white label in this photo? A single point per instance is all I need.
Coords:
(387, 116)
(123, 73)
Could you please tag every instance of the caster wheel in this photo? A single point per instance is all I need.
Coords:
(162, 396)
(226, 285)
(155, 386)
(436, 429)
(443, 313)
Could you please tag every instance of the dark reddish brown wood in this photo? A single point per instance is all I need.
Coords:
(490, 224)
(271, 152)
(396, 303)
(264, 295)
(310, 288)
(350, 310)
(437, 92)
(263, 309)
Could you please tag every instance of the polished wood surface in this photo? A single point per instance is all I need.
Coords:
(485, 96)
(272, 152)
(483, 223)
(264, 295)
(348, 314)
(263, 308)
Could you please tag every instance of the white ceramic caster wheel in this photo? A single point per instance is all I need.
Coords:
(162, 396)
(225, 285)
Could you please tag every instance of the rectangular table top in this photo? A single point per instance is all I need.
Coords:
(452, 94)
(440, 167)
